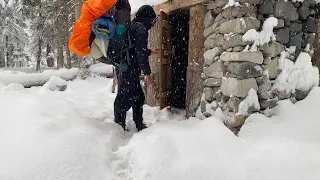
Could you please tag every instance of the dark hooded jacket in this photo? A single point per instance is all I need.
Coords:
(140, 26)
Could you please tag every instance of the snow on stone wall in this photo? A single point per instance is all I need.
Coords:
(259, 46)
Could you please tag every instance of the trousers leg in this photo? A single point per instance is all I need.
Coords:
(122, 104)
(138, 102)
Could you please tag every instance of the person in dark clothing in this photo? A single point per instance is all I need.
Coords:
(130, 93)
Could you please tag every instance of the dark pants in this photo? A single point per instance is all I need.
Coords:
(130, 94)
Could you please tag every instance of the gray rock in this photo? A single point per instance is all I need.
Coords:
(262, 79)
(232, 120)
(238, 88)
(255, 57)
(309, 3)
(239, 25)
(209, 19)
(208, 94)
(203, 106)
(283, 95)
(267, 60)
(217, 11)
(261, 18)
(296, 4)
(207, 114)
(216, 70)
(296, 27)
(266, 86)
(229, 50)
(204, 76)
(233, 104)
(296, 41)
(254, 15)
(287, 22)
(303, 12)
(264, 95)
(280, 24)
(271, 49)
(310, 26)
(225, 99)
(305, 3)
(300, 95)
(218, 96)
(229, 75)
(236, 11)
(253, 2)
(213, 41)
(309, 39)
(209, 55)
(218, 18)
(286, 10)
(282, 35)
(265, 104)
(212, 82)
(62, 88)
(210, 30)
(245, 69)
(273, 68)
(212, 5)
(233, 41)
(238, 48)
(221, 3)
(293, 100)
(266, 7)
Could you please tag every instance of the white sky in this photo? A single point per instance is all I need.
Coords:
(135, 4)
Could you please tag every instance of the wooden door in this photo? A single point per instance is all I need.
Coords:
(165, 59)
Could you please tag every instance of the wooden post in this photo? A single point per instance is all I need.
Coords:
(195, 59)
(316, 44)
(152, 97)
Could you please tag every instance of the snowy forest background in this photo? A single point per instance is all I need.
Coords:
(35, 33)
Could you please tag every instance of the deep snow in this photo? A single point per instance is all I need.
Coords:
(70, 135)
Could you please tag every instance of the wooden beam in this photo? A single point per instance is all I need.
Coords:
(174, 5)
(195, 59)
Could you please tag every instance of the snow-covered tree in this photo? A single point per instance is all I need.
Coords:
(13, 34)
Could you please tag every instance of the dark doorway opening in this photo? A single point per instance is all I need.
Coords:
(180, 42)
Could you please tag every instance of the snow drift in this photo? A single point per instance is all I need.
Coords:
(71, 135)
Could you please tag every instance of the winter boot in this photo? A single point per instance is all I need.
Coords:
(140, 125)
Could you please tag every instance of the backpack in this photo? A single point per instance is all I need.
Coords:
(113, 30)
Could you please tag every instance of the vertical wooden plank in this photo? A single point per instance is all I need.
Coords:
(162, 72)
(153, 97)
(195, 59)
(316, 45)
(165, 57)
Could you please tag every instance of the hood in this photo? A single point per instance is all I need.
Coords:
(146, 16)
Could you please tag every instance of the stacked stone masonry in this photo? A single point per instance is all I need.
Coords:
(230, 71)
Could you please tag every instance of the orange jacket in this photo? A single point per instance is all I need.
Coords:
(91, 10)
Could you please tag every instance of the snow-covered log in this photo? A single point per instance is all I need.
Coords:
(39, 79)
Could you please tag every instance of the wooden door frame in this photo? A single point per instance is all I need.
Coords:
(165, 80)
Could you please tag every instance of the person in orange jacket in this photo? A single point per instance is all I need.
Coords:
(81, 39)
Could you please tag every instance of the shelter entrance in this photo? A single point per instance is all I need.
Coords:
(174, 36)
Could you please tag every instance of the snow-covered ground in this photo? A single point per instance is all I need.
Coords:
(71, 136)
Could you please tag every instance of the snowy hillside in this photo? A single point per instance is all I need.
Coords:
(71, 135)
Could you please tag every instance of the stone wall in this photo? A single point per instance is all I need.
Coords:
(232, 68)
